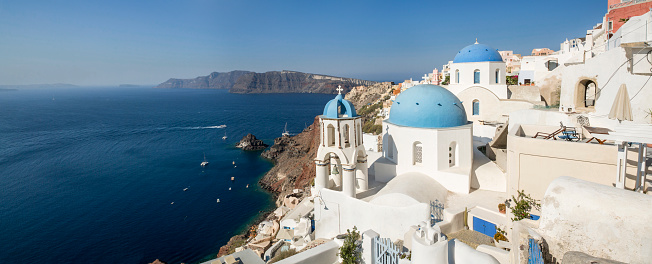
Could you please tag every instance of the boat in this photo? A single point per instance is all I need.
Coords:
(233, 178)
(172, 203)
(247, 186)
(218, 200)
(286, 133)
(204, 163)
(224, 137)
(185, 189)
(234, 162)
(229, 188)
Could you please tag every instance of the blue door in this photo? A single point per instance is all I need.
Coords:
(484, 227)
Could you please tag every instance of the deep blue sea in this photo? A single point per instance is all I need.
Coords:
(89, 175)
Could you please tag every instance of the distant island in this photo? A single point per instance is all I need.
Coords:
(268, 82)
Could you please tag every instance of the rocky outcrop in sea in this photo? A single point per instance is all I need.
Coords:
(251, 143)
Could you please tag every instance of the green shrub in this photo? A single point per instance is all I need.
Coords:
(350, 250)
(523, 205)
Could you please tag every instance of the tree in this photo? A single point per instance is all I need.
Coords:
(350, 250)
(523, 204)
(447, 80)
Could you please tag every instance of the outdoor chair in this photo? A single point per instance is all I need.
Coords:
(596, 139)
(569, 134)
(549, 135)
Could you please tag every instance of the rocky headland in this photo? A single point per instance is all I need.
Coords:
(267, 82)
(293, 157)
(215, 80)
(251, 143)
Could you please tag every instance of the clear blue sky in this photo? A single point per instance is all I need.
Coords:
(147, 42)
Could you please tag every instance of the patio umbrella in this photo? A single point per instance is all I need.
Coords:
(622, 108)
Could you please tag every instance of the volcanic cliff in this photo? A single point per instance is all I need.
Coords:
(268, 82)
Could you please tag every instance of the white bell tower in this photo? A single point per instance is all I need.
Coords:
(341, 162)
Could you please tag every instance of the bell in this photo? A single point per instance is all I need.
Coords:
(335, 171)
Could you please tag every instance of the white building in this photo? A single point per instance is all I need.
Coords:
(341, 159)
(427, 132)
(478, 79)
(478, 65)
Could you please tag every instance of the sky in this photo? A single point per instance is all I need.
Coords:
(147, 42)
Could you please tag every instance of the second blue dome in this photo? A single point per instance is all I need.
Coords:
(477, 53)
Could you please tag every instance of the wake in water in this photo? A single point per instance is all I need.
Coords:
(207, 127)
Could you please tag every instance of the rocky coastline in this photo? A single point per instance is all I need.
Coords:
(293, 158)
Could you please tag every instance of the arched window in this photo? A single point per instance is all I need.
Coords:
(457, 76)
(497, 76)
(390, 147)
(590, 91)
(347, 141)
(476, 76)
(417, 153)
(452, 154)
(476, 107)
(330, 131)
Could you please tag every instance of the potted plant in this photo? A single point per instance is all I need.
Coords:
(500, 239)
(502, 208)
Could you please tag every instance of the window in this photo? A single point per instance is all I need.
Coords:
(476, 76)
(418, 153)
(457, 76)
(498, 76)
(452, 154)
(476, 107)
(330, 131)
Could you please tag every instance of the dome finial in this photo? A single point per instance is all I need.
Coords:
(339, 89)
(476, 41)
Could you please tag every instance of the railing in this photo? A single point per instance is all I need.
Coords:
(534, 252)
(628, 3)
(436, 212)
(384, 251)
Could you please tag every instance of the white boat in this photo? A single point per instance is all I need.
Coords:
(229, 188)
(185, 189)
(204, 163)
(224, 137)
(233, 178)
(234, 162)
(247, 186)
(218, 200)
(286, 133)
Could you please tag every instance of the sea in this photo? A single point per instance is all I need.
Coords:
(113, 175)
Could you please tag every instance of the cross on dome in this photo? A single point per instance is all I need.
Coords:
(476, 41)
(339, 89)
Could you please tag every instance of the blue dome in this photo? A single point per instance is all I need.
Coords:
(339, 107)
(477, 53)
(427, 106)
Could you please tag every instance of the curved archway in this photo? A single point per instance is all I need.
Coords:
(586, 93)
(330, 135)
(347, 136)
